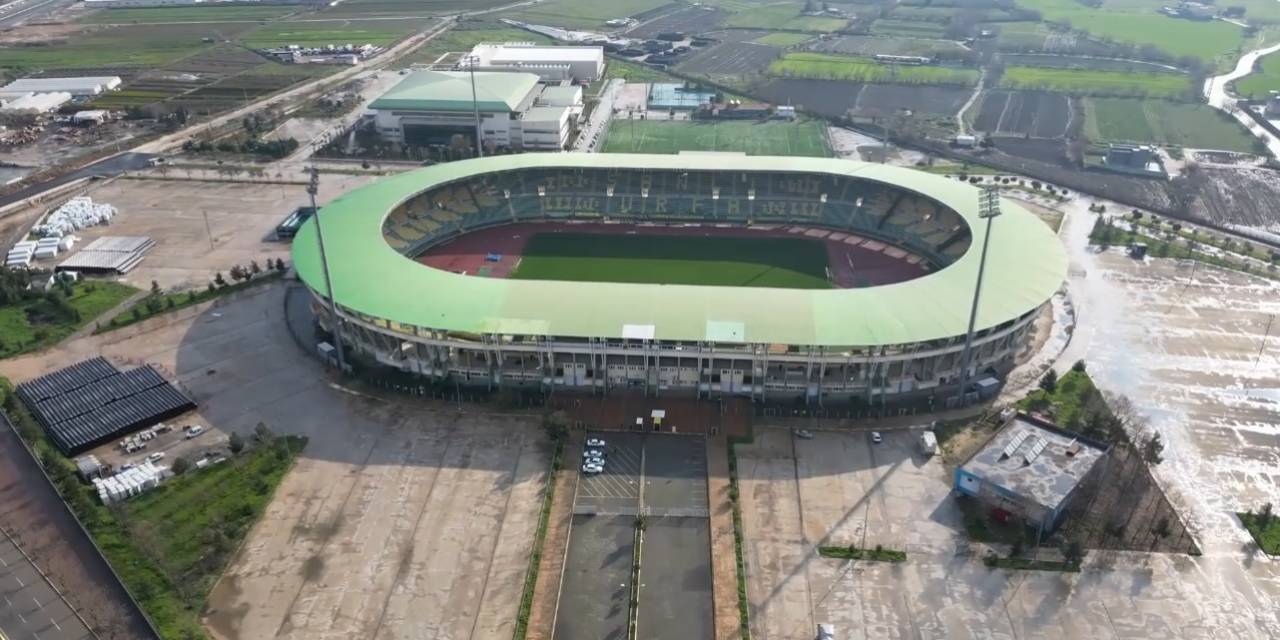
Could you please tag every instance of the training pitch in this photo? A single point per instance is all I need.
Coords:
(776, 138)
(792, 263)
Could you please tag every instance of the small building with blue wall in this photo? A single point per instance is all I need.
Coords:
(1029, 470)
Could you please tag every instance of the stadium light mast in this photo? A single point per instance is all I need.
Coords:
(313, 187)
(988, 209)
(471, 61)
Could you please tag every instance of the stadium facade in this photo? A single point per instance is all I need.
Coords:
(873, 344)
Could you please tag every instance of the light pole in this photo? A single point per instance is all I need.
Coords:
(471, 61)
(988, 208)
(335, 323)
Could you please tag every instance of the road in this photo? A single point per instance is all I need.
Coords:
(1215, 90)
(592, 135)
(15, 13)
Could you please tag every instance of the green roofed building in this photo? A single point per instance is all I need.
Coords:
(429, 108)
(907, 245)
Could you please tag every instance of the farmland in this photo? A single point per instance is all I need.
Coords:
(139, 46)
(805, 138)
(1107, 83)
(366, 8)
(246, 13)
(1161, 122)
(1138, 23)
(908, 28)
(738, 53)
(1033, 113)
(834, 99)
(586, 14)
(1265, 78)
(832, 67)
(376, 32)
(774, 15)
(793, 263)
(783, 39)
(872, 45)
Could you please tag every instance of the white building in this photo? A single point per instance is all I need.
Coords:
(77, 87)
(36, 103)
(428, 108)
(551, 63)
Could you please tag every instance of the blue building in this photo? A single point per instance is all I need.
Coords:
(1029, 470)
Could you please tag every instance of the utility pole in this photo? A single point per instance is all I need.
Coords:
(335, 323)
(988, 208)
(471, 61)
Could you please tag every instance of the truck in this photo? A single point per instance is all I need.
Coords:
(928, 443)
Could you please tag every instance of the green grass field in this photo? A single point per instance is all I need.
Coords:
(782, 39)
(1264, 79)
(187, 13)
(1106, 83)
(908, 28)
(775, 15)
(376, 32)
(1161, 122)
(1137, 22)
(34, 324)
(773, 138)
(835, 67)
(793, 263)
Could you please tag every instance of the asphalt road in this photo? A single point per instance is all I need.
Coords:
(20, 11)
(107, 167)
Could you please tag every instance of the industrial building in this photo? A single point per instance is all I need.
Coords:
(1134, 158)
(581, 65)
(77, 87)
(36, 103)
(1030, 471)
(428, 108)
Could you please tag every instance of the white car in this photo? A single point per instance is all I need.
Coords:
(595, 442)
(804, 434)
(159, 455)
(193, 431)
(875, 437)
(593, 453)
(591, 468)
(596, 460)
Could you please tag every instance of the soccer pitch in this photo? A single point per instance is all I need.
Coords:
(791, 263)
(772, 138)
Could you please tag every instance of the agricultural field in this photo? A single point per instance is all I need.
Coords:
(872, 45)
(189, 13)
(1265, 78)
(774, 15)
(117, 47)
(782, 39)
(833, 67)
(1192, 125)
(907, 28)
(582, 14)
(376, 32)
(773, 138)
(1084, 82)
(793, 263)
(1019, 113)
(1085, 62)
(1137, 22)
(834, 99)
(688, 20)
(369, 8)
(738, 54)
(463, 39)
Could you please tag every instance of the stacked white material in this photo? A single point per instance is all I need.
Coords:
(78, 213)
(66, 243)
(130, 482)
(47, 248)
(20, 254)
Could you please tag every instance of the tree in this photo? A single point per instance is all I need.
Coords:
(262, 433)
(235, 443)
(1078, 367)
(1265, 515)
(280, 265)
(1152, 448)
(254, 269)
(219, 280)
(1073, 552)
(237, 273)
(1050, 381)
(555, 425)
(180, 466)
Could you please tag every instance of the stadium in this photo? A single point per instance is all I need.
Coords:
(775, 279)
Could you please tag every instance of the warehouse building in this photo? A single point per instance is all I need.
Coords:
(1029, 471)
(35, 103)
(78, 87)
(429, 108)
(581, 65)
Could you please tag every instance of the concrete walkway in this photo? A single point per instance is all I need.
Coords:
(724, 570)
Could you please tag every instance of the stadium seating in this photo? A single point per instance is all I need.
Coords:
(867, 208)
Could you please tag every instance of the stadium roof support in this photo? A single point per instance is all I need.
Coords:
(1026, 265)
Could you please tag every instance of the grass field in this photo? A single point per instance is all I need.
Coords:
(1265, 530)
(125, 46)
(582, 13)
(376, 32)
(187, 13)
(34, 324)
(1087, 82)
(774, 138)
(1158, 121)
(833, 67)
(1264, 79)
(793, 263)
(362, 8)
(775, 15)
(908, 28)
(783, 39)
(1137, 22)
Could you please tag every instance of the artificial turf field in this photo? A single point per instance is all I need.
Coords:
(793, 263)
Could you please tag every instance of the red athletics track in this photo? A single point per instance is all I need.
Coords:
(854, 261)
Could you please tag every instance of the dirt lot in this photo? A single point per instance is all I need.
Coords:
(1249, 197)
(837, 488)
(402, 519)
(241, 217)
(689, 21)
(1017, 113)
(734, 55)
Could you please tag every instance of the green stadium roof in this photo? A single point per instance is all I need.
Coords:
(1025, 266)
(451, 91)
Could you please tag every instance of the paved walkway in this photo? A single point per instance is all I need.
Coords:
(546, 593)
(724, 571)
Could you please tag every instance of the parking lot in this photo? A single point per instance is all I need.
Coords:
(29, 606)
(663, 477)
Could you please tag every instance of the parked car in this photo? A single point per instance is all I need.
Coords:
(594, 453)
(157, 456)
(590, 468)
(875, 437)
(804, 434)
(593, 460)
(193, 430)
(595, 442)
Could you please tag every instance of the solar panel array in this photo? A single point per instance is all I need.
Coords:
(91, 402)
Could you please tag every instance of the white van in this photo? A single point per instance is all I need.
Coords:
(193, 431)
(928, 443)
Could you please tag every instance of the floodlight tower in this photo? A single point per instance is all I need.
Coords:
(471, 62)
(988, 209)
(313, 187)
